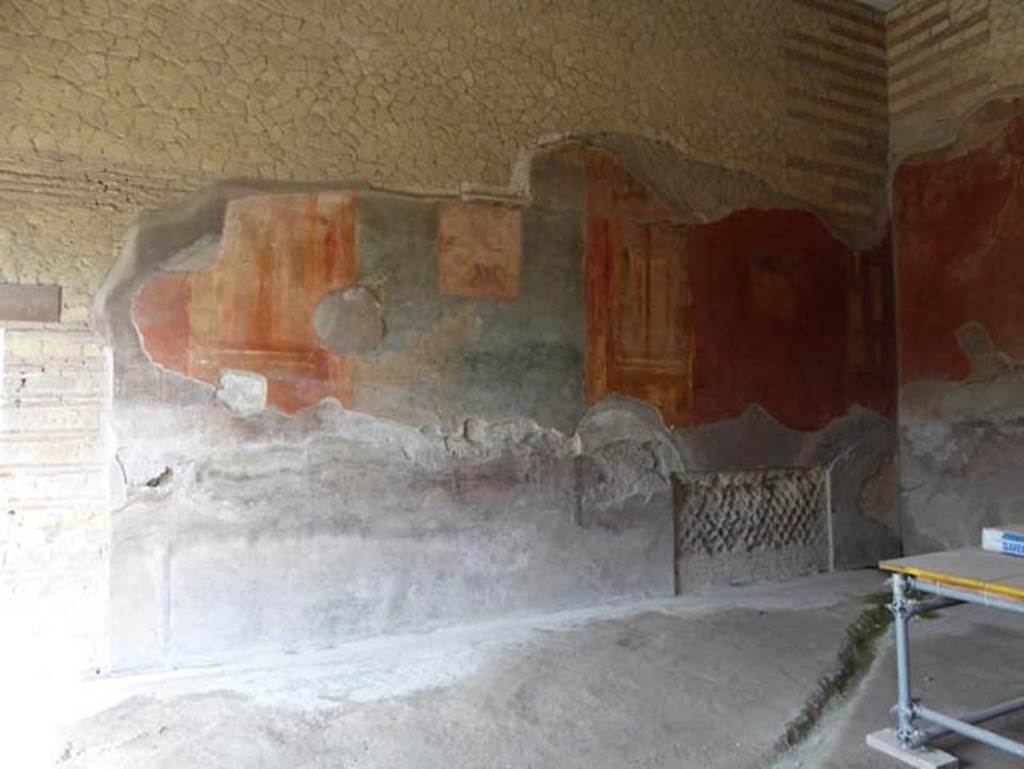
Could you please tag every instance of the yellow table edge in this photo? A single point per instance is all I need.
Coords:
(974, 585)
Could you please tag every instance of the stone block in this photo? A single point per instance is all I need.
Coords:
(34, 304)
(748, 525)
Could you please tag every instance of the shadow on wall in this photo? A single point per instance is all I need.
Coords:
(342, 411)
(959, 232)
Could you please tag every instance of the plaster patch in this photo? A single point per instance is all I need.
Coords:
(350, 322)
(244, 392)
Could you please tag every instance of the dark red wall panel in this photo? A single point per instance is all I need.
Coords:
(788, 317)
(762, 307)
(959, 224)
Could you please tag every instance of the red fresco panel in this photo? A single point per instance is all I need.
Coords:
(760, 307)
(959, 224)
(611, 190)
(770, 319)
(161, 315)
(253, 309)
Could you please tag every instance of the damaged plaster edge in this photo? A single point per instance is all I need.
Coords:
(755, 412)
(767, 195)
(154, 241)
(213, 393)
(157, 238)
(612, 141)
(946, 139)
(475, 440)
(991, 390)
(160, 367)
(475, 435)
(932, 400)
(616, 419)
(854, 411)
(159, 234)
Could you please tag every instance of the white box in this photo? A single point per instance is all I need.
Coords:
(1008, 540)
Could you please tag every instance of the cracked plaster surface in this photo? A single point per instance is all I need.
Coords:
(114, 107)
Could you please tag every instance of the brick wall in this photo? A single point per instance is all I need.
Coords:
(836, 89)
(947, 58)
(940, 67)
(54, 492)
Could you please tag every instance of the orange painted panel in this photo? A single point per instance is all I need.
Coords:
(253, 309)
(161, 315)
(649, 317)
(639, 331)
(611, 190)
(480, 250)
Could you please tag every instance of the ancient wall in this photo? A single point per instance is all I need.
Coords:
(958, 236)
(393, 147)
(55, 461)
(946, 59)
(704, 319)
(956, 70)
(473, 355)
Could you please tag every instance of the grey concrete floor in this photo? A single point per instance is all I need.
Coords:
(965, 659)
(706, 681)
